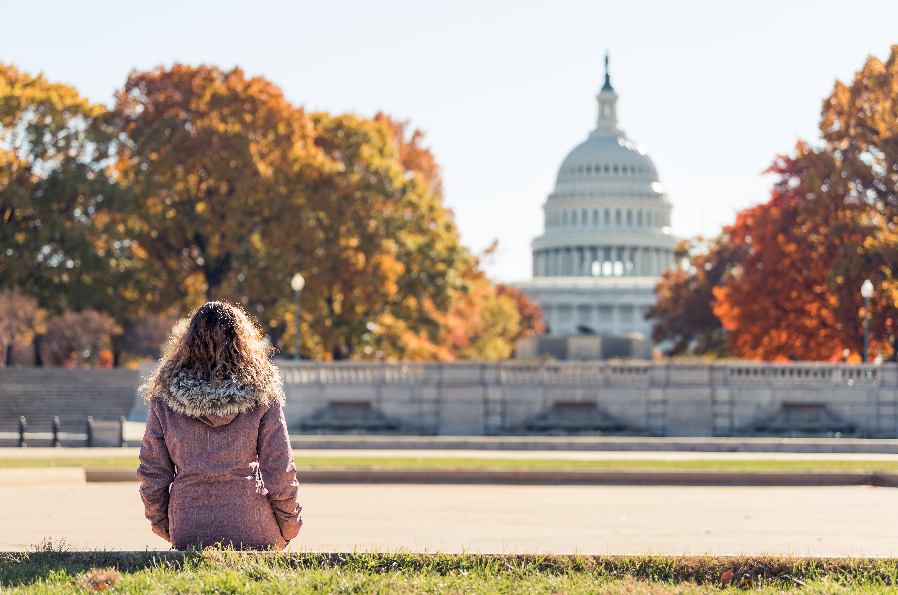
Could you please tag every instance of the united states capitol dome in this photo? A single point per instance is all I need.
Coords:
(607, 234)
(603, 159)
(608, 214)
(607, 159)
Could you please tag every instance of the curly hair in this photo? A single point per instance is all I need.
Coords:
(220, 345)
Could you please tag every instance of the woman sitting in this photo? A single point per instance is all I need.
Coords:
(216, 465)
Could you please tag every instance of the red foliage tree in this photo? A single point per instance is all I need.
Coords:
(777, 304)
(797, 262)
(683, 316)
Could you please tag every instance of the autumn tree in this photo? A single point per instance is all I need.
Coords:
(683, 317)
(206, 184)
(80, 339)
(778, 303)
(146, 336)
(828, 227)
(860, 130)
(414, 157)
(380, 253)
(531, 313)
(793, 289)
(21, 320)
(210, 159)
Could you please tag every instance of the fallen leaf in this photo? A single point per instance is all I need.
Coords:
(726, 577)
(97, 579)
(746, 583)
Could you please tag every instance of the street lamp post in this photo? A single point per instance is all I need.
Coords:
(867, 293)
(297, 283)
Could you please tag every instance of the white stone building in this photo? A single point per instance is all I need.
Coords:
(607, 234)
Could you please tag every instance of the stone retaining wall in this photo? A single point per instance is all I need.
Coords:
(508, 398)
(40, 393)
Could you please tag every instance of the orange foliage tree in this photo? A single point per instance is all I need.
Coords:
(387, 276)
(379, 252)
(860, 128)
(209, 158)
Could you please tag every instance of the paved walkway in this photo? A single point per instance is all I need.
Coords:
(57, 504)
(574, 455)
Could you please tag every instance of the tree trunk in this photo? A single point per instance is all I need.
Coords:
(38, 360)
(275, 334)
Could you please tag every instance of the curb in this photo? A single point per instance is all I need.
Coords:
(622, 477)
(109, 474)
(596, 443)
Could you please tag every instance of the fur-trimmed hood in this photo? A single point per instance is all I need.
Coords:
(197, 398)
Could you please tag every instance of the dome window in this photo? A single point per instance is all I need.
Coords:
(623, 169)
(598, 168)
(595, 217)
(589, 169)
(564, 219)
(607, 217)
(617, 217)
(596, 268)
(573, 218)
(615, 169)
(629, 218)
(639, 219)
(580, 169)
(584, 217)
(606, 168)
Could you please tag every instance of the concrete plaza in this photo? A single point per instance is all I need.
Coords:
(36, 504)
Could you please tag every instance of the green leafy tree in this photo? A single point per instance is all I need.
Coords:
(59, 240)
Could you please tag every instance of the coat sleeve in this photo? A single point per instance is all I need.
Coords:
(156, 473)
(279, 471)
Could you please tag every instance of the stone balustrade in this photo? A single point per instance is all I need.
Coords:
(639, 398)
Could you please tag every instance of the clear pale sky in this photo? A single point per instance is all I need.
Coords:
(504, 90)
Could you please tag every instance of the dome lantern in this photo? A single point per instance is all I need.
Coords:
(607, 121)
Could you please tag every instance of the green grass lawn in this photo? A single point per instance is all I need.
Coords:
(471, 463)
(228, 572)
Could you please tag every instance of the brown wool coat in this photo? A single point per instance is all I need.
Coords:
(227, 478)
